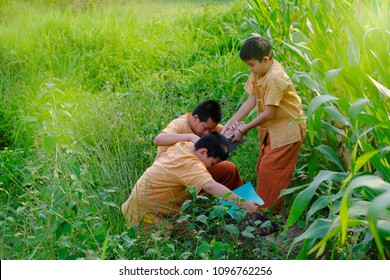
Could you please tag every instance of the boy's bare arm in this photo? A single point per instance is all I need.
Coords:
(244, 110)
(167, 139)
(267, 115)
(220, 190)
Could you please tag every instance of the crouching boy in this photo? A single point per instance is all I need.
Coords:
(160, 192)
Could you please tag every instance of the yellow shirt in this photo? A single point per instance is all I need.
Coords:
(275, 88)
(162, 187)
(179, 126)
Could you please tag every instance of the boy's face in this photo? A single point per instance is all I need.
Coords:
(208, 161)
(258, 68)
(201, 128)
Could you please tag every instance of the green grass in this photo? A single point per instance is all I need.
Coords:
(86, 85)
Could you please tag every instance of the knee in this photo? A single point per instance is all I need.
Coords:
(229, 167)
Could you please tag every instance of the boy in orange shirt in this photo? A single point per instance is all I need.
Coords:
(160, 192)
(190, 127)
(280, 131)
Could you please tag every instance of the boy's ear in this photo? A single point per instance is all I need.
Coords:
(266, 59)
(203, 151)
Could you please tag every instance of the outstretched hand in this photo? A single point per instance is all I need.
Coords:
(231, 128)
(250, 206)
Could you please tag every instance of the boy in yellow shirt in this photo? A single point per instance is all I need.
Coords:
(190, 127)
(280, 127)
(160, 192)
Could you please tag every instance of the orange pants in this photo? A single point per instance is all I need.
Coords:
(274, 172)
(226, 173)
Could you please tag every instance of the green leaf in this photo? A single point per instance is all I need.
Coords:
(110, 203)
(378, 206)
(318, 101)
(363, 159)
(203, 219)
(183, 218)
(185, 205)
(219, 246)
(203, 247)
(330, 76)
(301, 57)
(332, 131)
(318, 121)
(49, 143)
(359, 208)
(318, 229)
(185, 255)
(75, 167)
(303, 252)
(309, 82)
(151, 252)
(291, 190)
(382, 89)
(218, 211)
(369, 181)
(62, 253)
(319, 204)
(239, 214)
(303, 198)
(355, 109)
(331, 155)
(333, 231)
(378, 160)
(335, 115)
(233, 229)
(63, 228)
(248, 232)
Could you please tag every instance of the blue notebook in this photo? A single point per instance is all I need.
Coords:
(246, 192)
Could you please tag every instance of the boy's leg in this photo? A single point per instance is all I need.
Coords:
(274, 170)
(226, 173)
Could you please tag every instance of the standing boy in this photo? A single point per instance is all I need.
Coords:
(160, 192)
(190, 127)
(280, 127)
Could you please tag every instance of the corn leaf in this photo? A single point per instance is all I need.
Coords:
(355, 109)
(303, 198)
(318, 101)
(320, 203)
(369, 181)
(331, 155)
(318, 229)
(378, 206)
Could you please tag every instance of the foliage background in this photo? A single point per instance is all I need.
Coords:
(86, 85)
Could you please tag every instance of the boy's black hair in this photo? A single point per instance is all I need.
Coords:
(216, 144)
(255, 48)
(208, 109)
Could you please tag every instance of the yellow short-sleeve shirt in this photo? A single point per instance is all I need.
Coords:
(275, 88)
(162, 187)
(179, 126)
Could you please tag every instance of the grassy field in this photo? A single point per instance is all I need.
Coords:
(86, 86)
